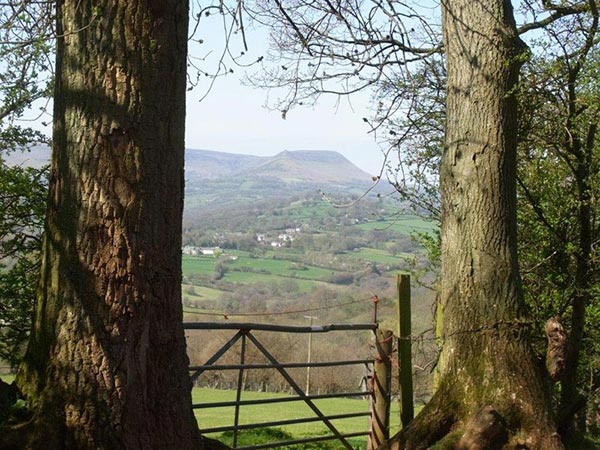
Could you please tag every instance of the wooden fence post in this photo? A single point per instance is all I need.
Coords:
(405, 381)
(382, 392)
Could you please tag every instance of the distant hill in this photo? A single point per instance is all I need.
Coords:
(37, 157)
(208, 164)
(304, 166)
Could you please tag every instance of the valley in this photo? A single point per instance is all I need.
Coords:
(278, 249)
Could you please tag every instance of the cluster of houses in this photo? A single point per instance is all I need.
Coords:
(282, 240)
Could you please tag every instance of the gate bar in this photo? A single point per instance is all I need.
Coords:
(284, 422)
(280, 400)
(238, 394)
(285, 328)
(283, 365)
(299, 391)
(216, 356)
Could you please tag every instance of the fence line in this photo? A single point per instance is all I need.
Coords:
(278, 328)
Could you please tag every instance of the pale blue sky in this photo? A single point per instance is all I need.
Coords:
(233, 117)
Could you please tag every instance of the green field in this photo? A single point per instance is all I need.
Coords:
(317, 262)
(250, 278)
(198, 264)
(254, 266)
(214, 417)
(301, 211)
(403, 224)
(200, 292)
(376, 256)
(251, 270)
(280, 267)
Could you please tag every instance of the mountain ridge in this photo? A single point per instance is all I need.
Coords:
(323, 167)
(306, 166)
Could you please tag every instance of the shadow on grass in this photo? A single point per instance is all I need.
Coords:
(271, 435)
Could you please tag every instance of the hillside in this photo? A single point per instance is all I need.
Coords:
(305, 166)
(261, 239)
(312, 167)
(38, 156)
(224, 183)
(211, 165)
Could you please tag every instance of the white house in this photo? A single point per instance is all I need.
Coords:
(190, 250)
(210, 251)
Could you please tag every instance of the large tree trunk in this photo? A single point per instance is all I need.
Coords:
(106, 366)
(492, 392)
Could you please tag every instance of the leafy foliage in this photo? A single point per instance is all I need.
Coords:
(22, 199)
(559, 188)
(26, 70)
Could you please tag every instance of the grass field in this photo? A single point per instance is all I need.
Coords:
(248, 270)
(214, 417)
(403, 224)
(200, 292)
(253, 266)
(250, 278)
(280, 267)
(198, 264)
(245, 269)
(377, 256)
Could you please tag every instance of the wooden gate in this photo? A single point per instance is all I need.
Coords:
(378, 391)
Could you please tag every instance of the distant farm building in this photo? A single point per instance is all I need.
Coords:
(192, 250)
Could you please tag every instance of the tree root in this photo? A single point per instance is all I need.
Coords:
(15, 420)
(433, 423)
(16, 437)
(484, 430)
(440, 426)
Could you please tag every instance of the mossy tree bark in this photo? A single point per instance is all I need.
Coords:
(492, 392)
(106, 366)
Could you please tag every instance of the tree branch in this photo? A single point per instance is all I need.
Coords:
(558, 12)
